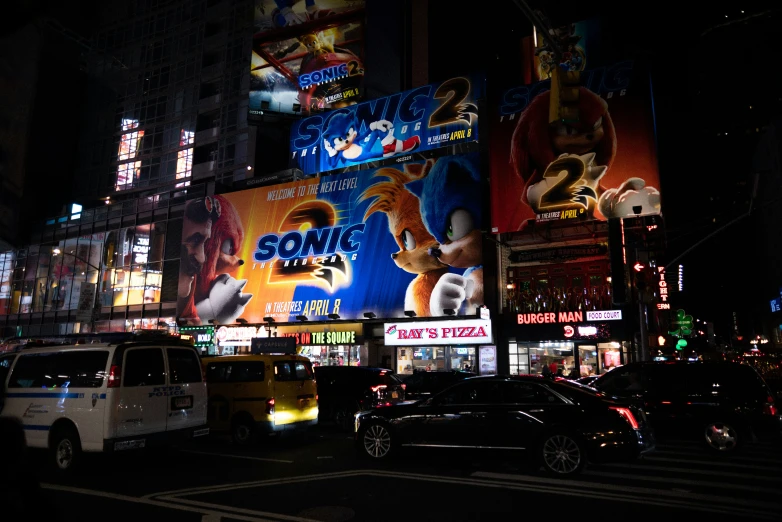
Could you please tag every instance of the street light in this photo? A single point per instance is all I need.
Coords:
(241, 321)
(409, 313)
(449, 311)
(369, 315)
(301, 318)
(334, 316)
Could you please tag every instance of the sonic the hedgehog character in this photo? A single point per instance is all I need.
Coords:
(345, 143)
(451, 210)
(403, 210)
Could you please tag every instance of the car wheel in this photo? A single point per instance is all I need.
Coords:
(66, 448)
(375, 441)
(722, 437)
(243, 431)
(562, 454)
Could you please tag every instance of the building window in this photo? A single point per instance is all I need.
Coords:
(128, 172)
(184, 162)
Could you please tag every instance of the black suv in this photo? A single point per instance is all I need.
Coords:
(345, 390)
(422, 385)
(724, 404)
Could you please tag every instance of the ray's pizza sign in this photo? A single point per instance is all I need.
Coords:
(472, 331)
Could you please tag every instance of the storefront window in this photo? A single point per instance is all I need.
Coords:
(551, 358)
(133, 258)
(519, 358)
(6, 274)
(610, 356)
(334, 355)
(587, 356)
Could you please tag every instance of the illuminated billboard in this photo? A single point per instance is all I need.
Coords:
(307, 56)
(390, 240)
(425, 118)
(603, 166)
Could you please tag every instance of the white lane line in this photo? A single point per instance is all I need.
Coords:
(712, 463)
(239, 510)
(628, 489)
(719, 458)
(614, 496)
(691, 471)
(685, 482)
(326, 457)
(246, 457)
(250, 484)
(218, 514)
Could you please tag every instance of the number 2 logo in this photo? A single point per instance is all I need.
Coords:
(573, 189)
(452, 109)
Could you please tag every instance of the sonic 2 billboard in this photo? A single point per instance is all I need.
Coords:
(426, 118)
(386, 240)
(604, 166)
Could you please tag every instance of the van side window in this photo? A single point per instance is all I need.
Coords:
(30, 371)
(183, 365)
(144, 367)
(80, 369)
(5, 367)
(218, 372)
(251, 371)
(293, 371)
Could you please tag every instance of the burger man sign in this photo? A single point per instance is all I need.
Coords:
(429, 333)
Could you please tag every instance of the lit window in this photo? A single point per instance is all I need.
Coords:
(129, 144)
(184, 162)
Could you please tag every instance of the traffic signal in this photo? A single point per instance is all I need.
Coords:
(563, 105)
(641, 279)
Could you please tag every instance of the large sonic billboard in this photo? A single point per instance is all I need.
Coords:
(426, 118)
(386, 240)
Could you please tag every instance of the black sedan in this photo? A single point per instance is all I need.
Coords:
(555, 422)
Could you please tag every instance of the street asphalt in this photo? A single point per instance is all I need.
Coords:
(319, 477)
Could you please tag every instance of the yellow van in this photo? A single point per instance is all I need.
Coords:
(251, 395)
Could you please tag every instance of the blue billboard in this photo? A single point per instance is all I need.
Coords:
(421, 119)
(388, 240)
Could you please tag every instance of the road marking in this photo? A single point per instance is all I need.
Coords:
(687, 482)
(736, 458)
(211, 518)
(614, 493)
(627, 489)
(209, 505)
(251, 484)
(326, 457)
(690, 471)
(140, 500)
(712, 463)
(246, 457)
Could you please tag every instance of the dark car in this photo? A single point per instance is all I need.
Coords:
(422, 385)
(556, 423)
(722, 403)
(587, 381)
(344, 390)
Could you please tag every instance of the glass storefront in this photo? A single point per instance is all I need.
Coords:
(565, 358)
(335, 355)
(435, 359)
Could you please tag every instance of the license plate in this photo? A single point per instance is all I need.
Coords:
(183, 402)
(394, 395)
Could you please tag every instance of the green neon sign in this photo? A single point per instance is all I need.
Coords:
(682, 324)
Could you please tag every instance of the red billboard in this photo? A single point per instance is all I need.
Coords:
(603, 166)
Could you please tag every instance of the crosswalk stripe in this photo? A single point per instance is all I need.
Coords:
(737, 458)
(685, 482)
(690, 471)
(719, 463)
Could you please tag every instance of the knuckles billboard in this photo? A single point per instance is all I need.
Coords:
(425, 118)
(603, 166)
(391, 239)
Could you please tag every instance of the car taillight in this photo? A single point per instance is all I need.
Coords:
(115, 374)
(270, 406)
(770, 408)
(627, 415)
(404, 386)
(376, 388)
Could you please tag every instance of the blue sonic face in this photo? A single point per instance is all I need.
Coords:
(451, 210)
(341, 131)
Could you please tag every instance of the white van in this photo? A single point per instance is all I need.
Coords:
(104, 397)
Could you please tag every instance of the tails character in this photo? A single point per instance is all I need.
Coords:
(218, 295)
(451, 210)
(344, 143)
(403, 210)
